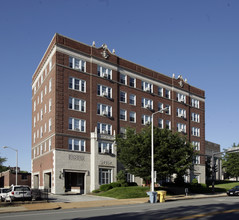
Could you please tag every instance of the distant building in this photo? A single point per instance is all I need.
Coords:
(82, 96)
(8, 178)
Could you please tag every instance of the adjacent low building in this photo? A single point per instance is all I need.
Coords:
(84, 95)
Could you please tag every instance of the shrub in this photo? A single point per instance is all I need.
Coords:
(115, 184)
(125, 184)
(105, 187)
(96, 191)
(132, 184)
(121, 176)
(195, 182)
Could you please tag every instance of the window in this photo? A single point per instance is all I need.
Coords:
(50, 85)
(41, 114)
(77, 124)
(104, 176)
(129, 178)
(104, 110)
(147, 103)
(196, 160)
(195, 103)
(104, 91)
(132, 117)
(104, 72)
(181, 127)
(45, 89)
(160, 106)
(49, 105)
(104, 128)
(35, 90)
(41, 96)
(45, 128)
(77, 84)
(77, 104)
(168, 111)
(123, 79)
(160, 123)
(167, 94)
(37, 99)
(195, 117)
(123, 132)
(196, 131)
(34, 121)
(50, 65)
(147, 87)
(196, 145)
(181, 113)
(49, 125)
(77, 64)
(45, 146)
(34, 137)
(37, 116)
(132, 82)
(181, 98)
(76, 144)
(160, 91)
(49, 142)
(123, 114)
(41, 78)
(168, 125)
(105, 147)
(132, 99)
(123, 96)
(146, 119)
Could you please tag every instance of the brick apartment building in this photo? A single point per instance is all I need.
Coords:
(82, 96)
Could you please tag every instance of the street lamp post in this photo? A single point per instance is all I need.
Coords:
(16, 158)
(152, 147)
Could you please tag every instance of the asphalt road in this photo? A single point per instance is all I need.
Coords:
(210, 208)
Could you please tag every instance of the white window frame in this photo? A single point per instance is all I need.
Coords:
(147, 103)
(132, 97)
(124, 96)
(160, 122)
(181, 113)
(105, 147)
(105, 176)
(181, 127)
(132, 82)
(181, 98)
(74, 86)
(73, 143)
(123, 114)
(196, 131)
(132, 117)
(195, 103)
(72, 104)
(123, 78)
(196, 145)
(104, 110)
(167, 94)
(195, 117)
(147, 87)
(73, 64)
(50, 105)
(76, 124)
(168, 124)
(160, 91)
(103, 128)
(146, 119)
(49, 125)
(104, 91)
(50, 84)
(168, 111)
(104, 72)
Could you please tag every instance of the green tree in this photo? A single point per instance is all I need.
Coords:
(230, 163)
(173, 154)
(2, 168)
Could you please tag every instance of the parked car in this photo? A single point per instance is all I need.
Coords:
(18, 193)
(3, 193)
(234, 191)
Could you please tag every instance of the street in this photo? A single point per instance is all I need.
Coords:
(210, 208)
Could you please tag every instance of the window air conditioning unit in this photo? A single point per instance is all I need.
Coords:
(104, 113)
(105, 75)
(147, 89)
(104, 132)
(105, 151)
(105, 94)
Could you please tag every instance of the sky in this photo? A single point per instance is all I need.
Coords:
(198, 39)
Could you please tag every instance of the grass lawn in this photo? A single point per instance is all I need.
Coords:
(227, 186)
(126, 192)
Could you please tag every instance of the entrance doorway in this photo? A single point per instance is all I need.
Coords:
(74, 182)
(47, 181)
(36, 181)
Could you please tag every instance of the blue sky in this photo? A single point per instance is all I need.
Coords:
(198, 39)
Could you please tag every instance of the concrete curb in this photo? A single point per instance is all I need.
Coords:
(98, 203)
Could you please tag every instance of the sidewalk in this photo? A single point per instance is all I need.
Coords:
(99, 203)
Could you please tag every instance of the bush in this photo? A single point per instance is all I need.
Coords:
(96, 191)
(132, 184)
(121, 176)
(115, 184)
(195, 182)
(105, 187)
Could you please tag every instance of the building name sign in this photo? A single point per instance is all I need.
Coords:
(106, 163)
(76, 157)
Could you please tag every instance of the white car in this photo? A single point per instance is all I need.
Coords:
(3, 193)
(18, 193)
